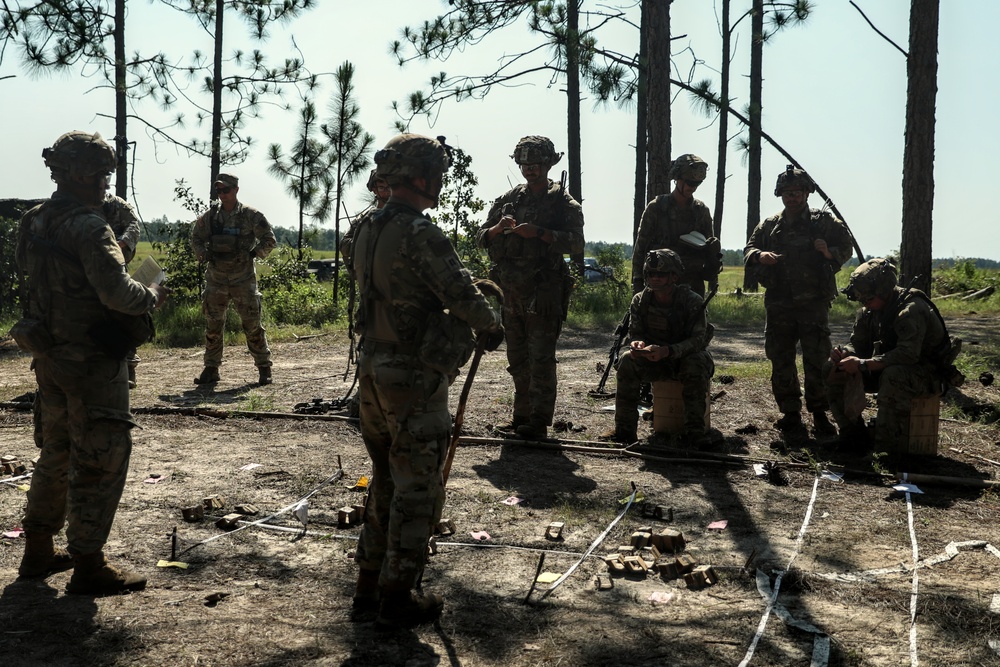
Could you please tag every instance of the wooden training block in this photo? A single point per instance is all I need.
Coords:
(603, 582)
(247, 509)
(626, 550)
(445, 528)
(669, 541)
(554, 530)
(615, 564)
(640, 539)
(360, 511)
(668, 570)
(193, 513)
(229, 521)
(347, 516)
(921, 435)
(635, 564)
(701, 576)
(213, 503)
(685, 563)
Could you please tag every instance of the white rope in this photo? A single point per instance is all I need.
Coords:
(913, 590)
(777, 581)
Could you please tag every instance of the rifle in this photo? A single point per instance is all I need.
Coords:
(621, 332)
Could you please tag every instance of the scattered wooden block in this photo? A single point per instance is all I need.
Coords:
(347, 516)
(685, 563)
(247, 509)
(4, 460)
(669, 540)
(640, 539)
(626, 550)
(445, 528)
(193, 513)
(554, 531)
(701, 576)
(668, 570)
(635, 564)
(213, 503)
(615, 564)
(229, 521)
(360, 511)
(603, 582)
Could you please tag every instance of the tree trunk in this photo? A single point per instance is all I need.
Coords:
(573, 109)
(658, 120)
(121, 110)
(217, 98)
(642, 94)
(756, 107)
(918, 150)
(720, 174)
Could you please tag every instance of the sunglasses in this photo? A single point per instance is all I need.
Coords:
(223, 191)
(692, 184)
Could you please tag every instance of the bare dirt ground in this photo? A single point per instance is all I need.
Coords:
(840, 553)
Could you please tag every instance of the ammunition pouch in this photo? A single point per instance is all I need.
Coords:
(223, 246)
(119, 334)
(32, 336)
(447, 343)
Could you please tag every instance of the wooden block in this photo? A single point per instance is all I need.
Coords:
(4, 460)
(19, 469)
(669, 540)
(229, 521)
(699, 577)
(213, 503)
(603, 582)
(445, 528)
(625, 550)
(685, 563)
(668, 570)
(360, 511)
(347, 516)
(634, 564)
(247, 509)
(640, 539)
(615, 564)
(193, 513)
(554, 530)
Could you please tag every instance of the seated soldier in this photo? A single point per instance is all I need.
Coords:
(899, 348)
(668, 333)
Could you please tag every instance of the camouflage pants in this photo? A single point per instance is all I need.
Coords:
(531, 355)
(86, 444)
(896, 386)
(806, 324)
(694, 371)
(406, 425)
(246, 301)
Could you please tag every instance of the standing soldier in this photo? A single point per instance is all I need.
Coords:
(683, 224)
(229, 236)
(124, 223)
(80, 301)
(419, 308)
(796, 256)
(380, 189)
(527, 232)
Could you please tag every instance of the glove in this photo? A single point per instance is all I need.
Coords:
(492, 339)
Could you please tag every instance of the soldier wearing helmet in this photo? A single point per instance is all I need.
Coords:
(682, 223)
(124, 223)
(380, 193)
(795, 256)
(527, 232)
(418, 311)
(81, 307)
(898, 348)
(668, 333)
(228, 237)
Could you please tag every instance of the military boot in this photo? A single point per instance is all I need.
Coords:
(42, 558)
(822, 425)
(94, 575)
(533, 431)
(366, 596)
(406, 609)
(511, 426)
(209, 375)
(789, 421)
(621, 434)
(264, 376)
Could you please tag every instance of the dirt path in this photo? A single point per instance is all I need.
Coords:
(285, 596)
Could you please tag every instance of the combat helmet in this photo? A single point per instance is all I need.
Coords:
(688, 167)
(77, 154)
(535, 149)
(876, 277)
(663, 260)
(409, 156)
(792, 177)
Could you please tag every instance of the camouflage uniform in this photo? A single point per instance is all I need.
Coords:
(84, 400)
(408, 273)
(800, 289)
(536, 283)
(663, 222)
(124, 223)
(683, 327)
(231, 276)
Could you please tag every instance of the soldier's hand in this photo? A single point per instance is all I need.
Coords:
(768, 258)
(492, 339)
(161, 293)
(821, 247)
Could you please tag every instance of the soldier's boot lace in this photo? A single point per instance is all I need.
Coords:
(407, 609)
(209, 375)
(822, 425)
(41, 558)
(264, 375)
(94, 575)
(366, 596)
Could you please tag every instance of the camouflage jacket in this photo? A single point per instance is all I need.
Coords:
(802, 274)
(229, 241)
(663, 223)
(347, 242)
(905, 331)
(407, 272)
(682, 324)
(521, 265)
(124, 223)
(76, 274)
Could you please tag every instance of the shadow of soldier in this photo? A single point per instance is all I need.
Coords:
(541, 476)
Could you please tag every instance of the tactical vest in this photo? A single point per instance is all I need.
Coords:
(521, 262)
(666, 325)
(231, 242)
(802, 273)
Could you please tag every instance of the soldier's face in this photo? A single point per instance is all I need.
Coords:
(659, 280)
(91, 189)
(226, 193)
(685, 188)
(535, 174)
(794, 199)
(382, 191)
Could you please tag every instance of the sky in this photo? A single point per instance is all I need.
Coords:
(834, 97)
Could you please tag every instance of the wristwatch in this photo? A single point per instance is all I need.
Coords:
(863, 366)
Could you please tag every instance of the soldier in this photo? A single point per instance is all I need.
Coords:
(229, 236)
(899, 348)
(380, 189)
(668, 334)
(124, 223)
(526, 233)
(80, 300)
(419, 308)
(796, 255)
(683, 224)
